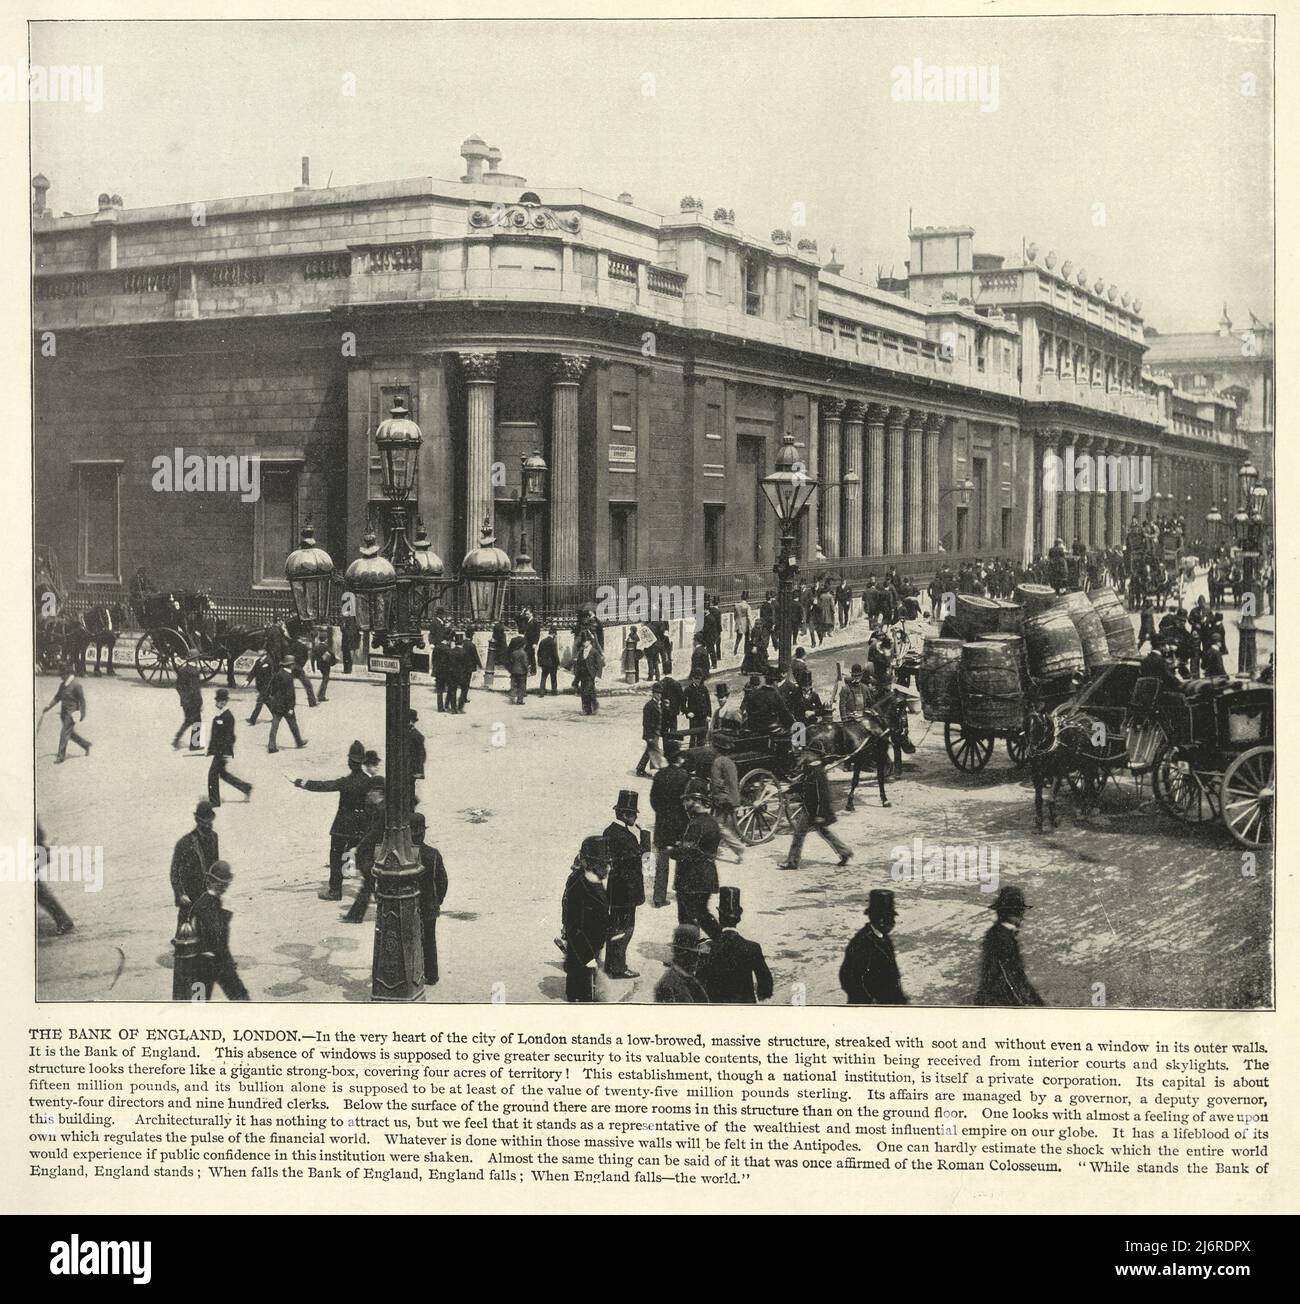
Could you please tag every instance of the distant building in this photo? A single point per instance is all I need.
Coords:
(1235, 363)
(655, 361)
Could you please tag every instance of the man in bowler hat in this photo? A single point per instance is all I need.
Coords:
(221, 747)
(626, 886)
(734, 971)
(584, 911)
(1002, 972)
(869, 973)
(192, 857)
(679, 985)
(214, 966)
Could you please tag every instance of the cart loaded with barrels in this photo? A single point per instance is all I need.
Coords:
(1218, 761)
(994, 657)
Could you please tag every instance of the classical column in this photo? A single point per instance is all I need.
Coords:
(1115, 526)
(1066, 527)
(1128, 450)
(1082, 499)
(831, 411)
(913, 494)
(894, 491)
(930, 533)
(1046, 443)
(566, 375)
(812, 518)
(1100, 492)
(875, 480)
(852, 462)
(480, 405)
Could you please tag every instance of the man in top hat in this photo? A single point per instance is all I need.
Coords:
(666, 792)
(734, 972)
(765, 708)
(350, 819)
(696, 853)
(71, 701)
(585, 915)
(465, 661)
(699, 710)
(729, 716)
(679, 985)
(1161, 664)
(214, 966)
(282, 699)
(817, 813)
(221, 747)
(1002, 972)
(433, 889)
(192, 857)
(852, 695)
(415, 750)
(548, 661)
(869, 973)
(627, 844)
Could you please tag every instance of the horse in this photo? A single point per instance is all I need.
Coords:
(1059, 749)
(231, 641)
(853, 744)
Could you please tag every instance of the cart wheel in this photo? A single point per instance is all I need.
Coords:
(154, 663)
(968, 749)
(1246, 797)
(209, 665)
(760, 810)
(1087, 783)
(1178, 791)
(1017, 747)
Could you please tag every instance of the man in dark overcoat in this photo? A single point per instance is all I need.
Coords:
(734, 972)
(1003, 980)
(626, 884)
(350, 820)
(869, 973)
(584, 912)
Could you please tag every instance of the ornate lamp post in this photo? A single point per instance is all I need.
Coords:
(1213, 521)
(391, 587)
(532, 489)
(312, 580)
(789, 490)
(486, 573)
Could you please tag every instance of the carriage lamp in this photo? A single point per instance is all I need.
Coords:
(1247, 476)
(310, 573)
(398, 440)
(532, 479)
(1259, 498)
(486, 572)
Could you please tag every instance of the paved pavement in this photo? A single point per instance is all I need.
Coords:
(1129, 908)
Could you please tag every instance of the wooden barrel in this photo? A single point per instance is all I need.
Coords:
(991, 695)
(1034, 598)
(1016, 643)
(976, 616)
(1092, 633)
(1120, 637)
(938, 679)
(1052, 644)
(1011, 616)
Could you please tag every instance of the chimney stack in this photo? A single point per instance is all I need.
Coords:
(40, 186)
(306, 175)
(474, 151)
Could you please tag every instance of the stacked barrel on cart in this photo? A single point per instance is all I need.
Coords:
(979, 678)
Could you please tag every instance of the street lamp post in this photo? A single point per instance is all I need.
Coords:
(1213, 520)
(1249, 527)
(532, 482)
(789, 490)
(391, 586)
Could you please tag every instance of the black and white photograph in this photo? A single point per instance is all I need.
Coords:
(820, 471)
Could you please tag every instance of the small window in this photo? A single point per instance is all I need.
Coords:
(275, 524)
(714, 536)
(713, 276)
(620, 410)
(98, 545)
(799, 300)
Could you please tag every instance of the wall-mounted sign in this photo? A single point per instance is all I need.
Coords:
(623, 453)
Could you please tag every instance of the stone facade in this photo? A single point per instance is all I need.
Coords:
(655, 362)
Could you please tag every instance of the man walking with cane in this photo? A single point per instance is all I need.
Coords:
(70, 699)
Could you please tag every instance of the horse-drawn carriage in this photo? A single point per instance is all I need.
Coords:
(766, 765)
(1218, 762)
(175, 630)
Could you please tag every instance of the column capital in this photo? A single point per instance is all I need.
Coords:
(479, 368)
(934, 422)
(915, 418)
(876, 413)
(567, 368)
(831, 408)
(896, 417)
(854, 411)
